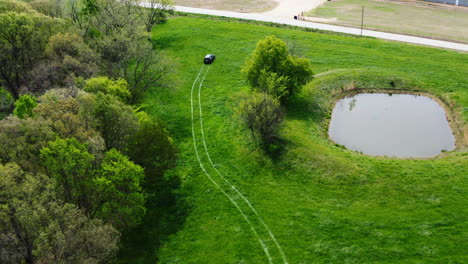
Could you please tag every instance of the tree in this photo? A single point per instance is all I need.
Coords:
(52, 8)
(155, 12)
(35, 227)
(124, 51)
(117, 88)
(24, 106)
(271, 69)
(64, 108)
(262, 115)
(72, 237)
(153, 149)
(119, 196)
(70, 164)
(273, 84)
(90, 7)
(22, 41)
(14, 6)
(148, 68)
(109, 189)
(111, 17)
(115, 120)
(6, 103)
(66, 58)
(22, 139)
(73, 10)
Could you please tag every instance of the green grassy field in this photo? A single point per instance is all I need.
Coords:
(323, 203)
(414, 18)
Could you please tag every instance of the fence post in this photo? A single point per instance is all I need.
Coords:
(362, 19)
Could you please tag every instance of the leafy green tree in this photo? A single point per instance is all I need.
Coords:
(14, 6)
(72, 237)
(262, 115)
(153, 149)
(148, 69)
(24, 106)
(90, 7)
(118, 88)
(135, 60)
(52, 8)
(62, 108)
(115, 120)
(6, 103)
(66, 58)
(271, 69)
(73, 9)
(273, 84)
(119, 196)
(155, 12)
(110, 190)
(35, 227)
(60, 45)
(70, 164)
(22, 139)
(122, 50)
(23, 37)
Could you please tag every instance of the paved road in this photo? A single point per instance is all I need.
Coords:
(305, 24)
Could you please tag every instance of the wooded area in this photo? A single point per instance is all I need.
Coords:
(79, 161)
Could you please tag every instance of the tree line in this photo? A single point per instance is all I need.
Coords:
(79, 160)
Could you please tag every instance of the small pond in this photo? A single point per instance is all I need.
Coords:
(398, 125)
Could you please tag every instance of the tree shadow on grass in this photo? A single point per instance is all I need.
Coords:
(276, 149)
(166, 214)
(165, 42)
(300, 108)
(305, 108)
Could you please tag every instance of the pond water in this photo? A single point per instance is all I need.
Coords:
(398, 125)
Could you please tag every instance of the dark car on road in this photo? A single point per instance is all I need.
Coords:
(209, 58)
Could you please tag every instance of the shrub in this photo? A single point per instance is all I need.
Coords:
(262, 115)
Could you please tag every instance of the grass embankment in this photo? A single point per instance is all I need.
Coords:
(414, 18)
(324, 204)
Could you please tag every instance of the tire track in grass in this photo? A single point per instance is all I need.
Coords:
(264, 246)
(232, 186)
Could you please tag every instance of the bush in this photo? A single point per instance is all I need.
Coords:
(262, 115)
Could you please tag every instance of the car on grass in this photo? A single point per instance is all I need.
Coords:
(209, 59)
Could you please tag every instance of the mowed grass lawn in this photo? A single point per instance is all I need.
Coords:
(323, 203)
(415, 18)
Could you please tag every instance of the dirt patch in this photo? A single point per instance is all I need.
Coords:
(247, 6)
(290, 8)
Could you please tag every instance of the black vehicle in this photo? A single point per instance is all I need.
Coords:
(209, 58)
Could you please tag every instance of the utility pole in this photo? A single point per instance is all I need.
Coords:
(362, 19)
